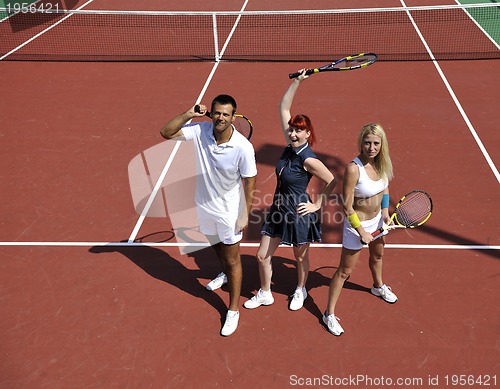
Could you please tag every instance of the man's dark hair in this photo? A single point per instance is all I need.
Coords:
(224, 100)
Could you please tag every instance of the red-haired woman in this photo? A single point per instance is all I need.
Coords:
(292, 218)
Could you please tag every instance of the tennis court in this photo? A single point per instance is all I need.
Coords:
(98, 294)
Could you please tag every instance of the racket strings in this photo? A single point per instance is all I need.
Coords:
(243, 126)
(355, 61)
(414, 209)
(349, 64)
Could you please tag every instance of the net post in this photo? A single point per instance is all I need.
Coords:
(216, 40)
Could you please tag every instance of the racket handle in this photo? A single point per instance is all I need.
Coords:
(377, 233)
(197, 110)
(308, 73)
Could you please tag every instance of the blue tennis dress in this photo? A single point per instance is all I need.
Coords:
(292, 180)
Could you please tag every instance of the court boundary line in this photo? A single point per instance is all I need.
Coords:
(454, 98)
(313, 245)
(155, 191)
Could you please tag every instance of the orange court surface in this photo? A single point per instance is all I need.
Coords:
(95, 294)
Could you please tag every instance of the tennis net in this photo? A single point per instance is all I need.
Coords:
(452, 32)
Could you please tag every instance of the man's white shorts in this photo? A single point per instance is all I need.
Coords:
(351, 239)
(222, 225)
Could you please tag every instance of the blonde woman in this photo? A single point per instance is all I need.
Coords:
(366, 202)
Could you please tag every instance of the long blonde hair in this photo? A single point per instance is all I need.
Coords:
(383, 163)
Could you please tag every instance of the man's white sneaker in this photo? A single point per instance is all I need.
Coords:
(331, 322)
(298, 299)
(386, 293)
(260, 298)
(231, 323)
(217, 282)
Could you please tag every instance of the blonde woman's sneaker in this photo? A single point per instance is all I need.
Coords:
(298, 299)
(260, 298)
(217, 282)
(332, 323)
(231, 323)
(386, 293)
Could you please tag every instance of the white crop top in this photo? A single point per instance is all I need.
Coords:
(366, 187)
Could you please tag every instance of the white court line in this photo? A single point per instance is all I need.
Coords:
(313, 245)
(42, 32)
(455, 99)
(164, 172)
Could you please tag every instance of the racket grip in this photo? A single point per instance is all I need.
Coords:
(296, 74)
(377, 233)
(197, 110)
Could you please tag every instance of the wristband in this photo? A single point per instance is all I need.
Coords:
(354, 220)
(385, 201)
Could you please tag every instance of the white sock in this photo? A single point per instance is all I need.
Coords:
(265, 292)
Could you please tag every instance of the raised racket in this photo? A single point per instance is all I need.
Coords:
(413, 210)
(242, 124)
(351, 62)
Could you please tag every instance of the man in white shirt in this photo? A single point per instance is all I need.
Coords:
(225, 160)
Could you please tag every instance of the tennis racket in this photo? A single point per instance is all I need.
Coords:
(413, 210)
(352, 62)
(242, 124)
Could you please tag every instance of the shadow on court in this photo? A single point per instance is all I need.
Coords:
(461, 240)
(164, 267)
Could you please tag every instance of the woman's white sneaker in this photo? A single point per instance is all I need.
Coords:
(298, 299)
(260, 298)
(385, 292)
(332, 323)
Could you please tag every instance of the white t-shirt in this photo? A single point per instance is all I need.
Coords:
(220, 168)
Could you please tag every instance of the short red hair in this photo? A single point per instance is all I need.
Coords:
(302, 122)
